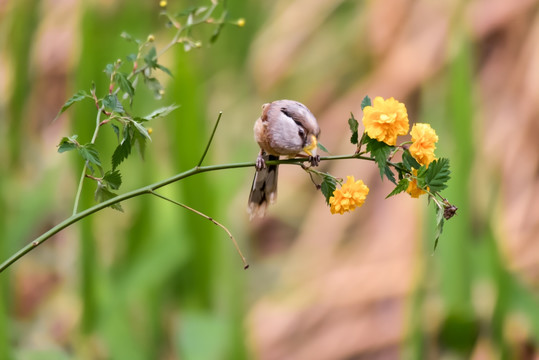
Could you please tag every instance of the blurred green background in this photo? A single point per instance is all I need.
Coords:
(159, 282)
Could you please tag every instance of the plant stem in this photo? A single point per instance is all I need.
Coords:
(211, 138)
(82, 176)
(76, 216)
(245, 264)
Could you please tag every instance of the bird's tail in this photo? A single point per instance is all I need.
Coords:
(264, 188)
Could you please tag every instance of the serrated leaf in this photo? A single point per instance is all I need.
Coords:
(125, 84)
(67, 144)
(435, 176)
(122, 151)
(322, 147)
(327, 187)
(380, 152)
(439, 225)
(103, 194)
(112, 103)
(113, 179)
(141, 129)
(90, 154)
(353, 124)
(366, 102)
(401, 186)
(79, 95)
(408, 161)
(161, 112)
(389, 174)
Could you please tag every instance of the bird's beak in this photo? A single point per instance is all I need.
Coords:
(311, 148)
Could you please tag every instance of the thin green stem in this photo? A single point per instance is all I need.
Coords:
(145, 190)
(245, 264)
(211, 138)
(82, 175)
(149, 189)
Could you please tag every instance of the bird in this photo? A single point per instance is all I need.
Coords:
(285, 128)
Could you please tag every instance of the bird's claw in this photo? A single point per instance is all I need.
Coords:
(260, 162)
(314, 160)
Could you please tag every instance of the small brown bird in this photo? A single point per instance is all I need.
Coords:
(285, 128)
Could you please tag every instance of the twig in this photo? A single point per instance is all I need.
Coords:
(245, 264)
(211, 138)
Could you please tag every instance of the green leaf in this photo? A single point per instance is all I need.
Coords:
(116, 130)
(155, 86)
(113, 179)
(161, 112)
(80, 95)
(408, 161)
(401, 186)
(151, 58)
(131, 57)
(164, 69)
(217, 32)
(122, 151)
(68, 143)
(140, 143)
(328, 186)
(112, 103)
(90, 154)
(109, 69)
(322, 147)
(103, 194)
(353, 124)
(435, 176)
(380, 152)
(366, 102)
(125, 84)
(187, 11)
(129, 38)
(439, 225)
(141, 129)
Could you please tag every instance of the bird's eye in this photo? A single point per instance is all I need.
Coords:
(301, 132)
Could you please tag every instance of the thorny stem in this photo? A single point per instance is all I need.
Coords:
(245, 264)
(149, 189)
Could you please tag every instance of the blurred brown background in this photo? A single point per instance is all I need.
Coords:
(158, 282)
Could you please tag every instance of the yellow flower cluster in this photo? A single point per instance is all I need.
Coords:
(350, 196)
(424, 139)
(385, 120)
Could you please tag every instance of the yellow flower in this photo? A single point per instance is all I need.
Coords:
(351, 195)
(413, 190)
(385, 120)
(423, 137)
(241, 22)
(163, 3)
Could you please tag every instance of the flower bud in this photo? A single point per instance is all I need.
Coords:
(151, 38)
